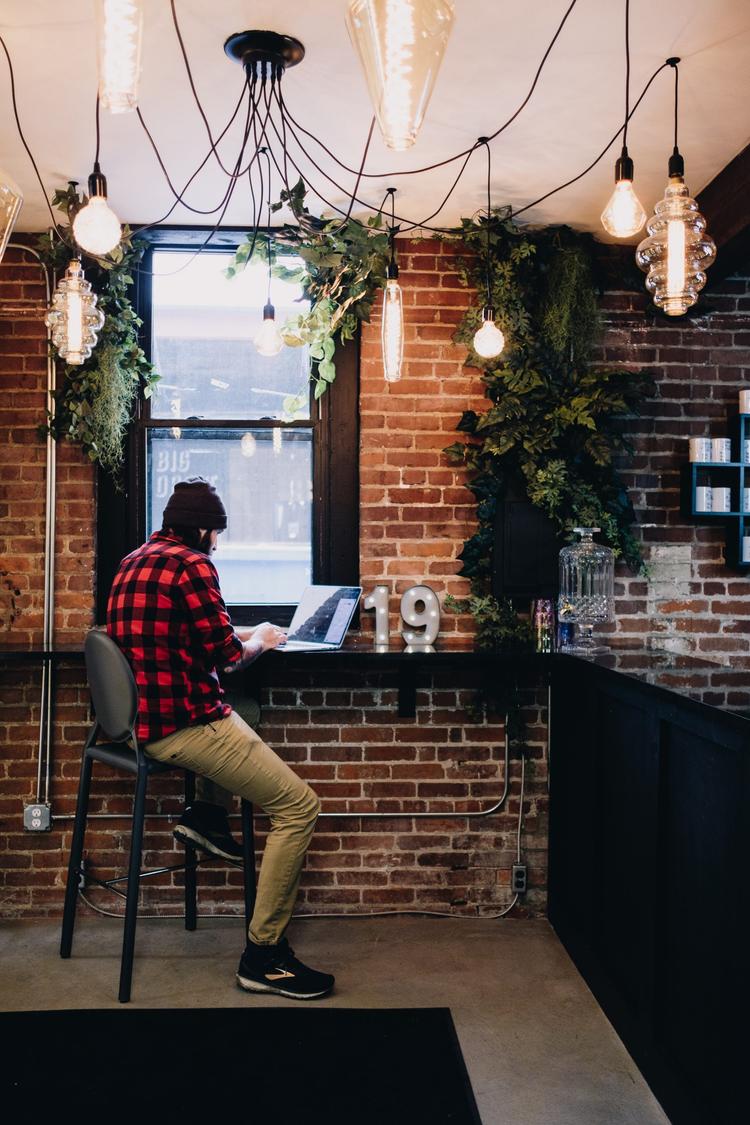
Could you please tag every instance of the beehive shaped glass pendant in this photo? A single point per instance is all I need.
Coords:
(677, 251)
(73, 317)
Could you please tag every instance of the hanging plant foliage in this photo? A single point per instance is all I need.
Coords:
(343, 271)
(94, 404)
(555, 419)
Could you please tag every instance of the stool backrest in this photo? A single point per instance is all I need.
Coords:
(112, 686)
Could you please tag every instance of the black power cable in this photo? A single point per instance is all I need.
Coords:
(465, 152)
(23, 138)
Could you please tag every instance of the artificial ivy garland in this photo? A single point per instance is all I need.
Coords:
(555, 419)
(94, 404)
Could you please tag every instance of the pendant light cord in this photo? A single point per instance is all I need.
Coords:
(676, 69)
(98, 135)
(485, 142)
(627, 76)
(23, 138)
(264, 152)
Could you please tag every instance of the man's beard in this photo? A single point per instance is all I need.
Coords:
(204, 544)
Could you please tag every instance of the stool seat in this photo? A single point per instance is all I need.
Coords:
(115, 701)
(121, 757)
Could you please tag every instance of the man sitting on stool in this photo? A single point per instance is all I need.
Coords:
(167, 614)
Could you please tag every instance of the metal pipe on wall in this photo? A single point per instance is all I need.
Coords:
(44, 764)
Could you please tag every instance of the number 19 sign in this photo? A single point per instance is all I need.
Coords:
(420, 611)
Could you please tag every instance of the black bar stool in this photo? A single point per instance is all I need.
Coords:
(115, 699)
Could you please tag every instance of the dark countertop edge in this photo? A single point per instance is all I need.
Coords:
(667, 694)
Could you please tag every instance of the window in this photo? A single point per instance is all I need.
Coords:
(285, 467)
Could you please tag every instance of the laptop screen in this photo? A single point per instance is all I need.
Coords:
(324, 613)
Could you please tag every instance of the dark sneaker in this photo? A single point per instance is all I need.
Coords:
(274, 968)
(206, 826)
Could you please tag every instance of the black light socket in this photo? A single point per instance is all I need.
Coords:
(676, 163)
(488, 313)
(269, 312)
(392, 271)
(97, 183)
(624, 167)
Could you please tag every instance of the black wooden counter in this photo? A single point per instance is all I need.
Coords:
(648, 888)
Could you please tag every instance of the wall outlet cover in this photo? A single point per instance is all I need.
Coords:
(38, 817)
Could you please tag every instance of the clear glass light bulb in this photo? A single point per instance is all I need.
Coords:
(267, 339)
(392, 335)
(10, 204)
(73, 318)
(96, 228)
(400, 44)
(677, 251)
(119, 53)
(624, 214)
(488, 340)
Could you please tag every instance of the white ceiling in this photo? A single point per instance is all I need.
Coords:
(493, 53)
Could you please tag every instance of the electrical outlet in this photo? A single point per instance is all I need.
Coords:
(38, 817)
(518, 879)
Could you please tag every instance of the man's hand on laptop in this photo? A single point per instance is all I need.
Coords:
(268, 635)
(255, 641)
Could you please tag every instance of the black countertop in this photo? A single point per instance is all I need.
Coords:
(693, 677)
(726, 686)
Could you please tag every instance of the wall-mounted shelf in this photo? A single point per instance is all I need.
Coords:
(735, 475)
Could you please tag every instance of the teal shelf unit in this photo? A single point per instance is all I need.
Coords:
(734, 474)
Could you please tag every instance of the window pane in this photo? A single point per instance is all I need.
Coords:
(264, 477)
(202, 340)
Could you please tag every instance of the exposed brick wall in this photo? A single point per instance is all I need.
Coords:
(416, 512)
(691, 601)
(345, 738)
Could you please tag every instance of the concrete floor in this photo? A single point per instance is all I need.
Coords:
(538, 1048)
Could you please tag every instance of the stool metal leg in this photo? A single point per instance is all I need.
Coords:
(190, 861)
(248, 855)
(134, 871)
(76, 852)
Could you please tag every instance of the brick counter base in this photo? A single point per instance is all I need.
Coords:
(348, 743)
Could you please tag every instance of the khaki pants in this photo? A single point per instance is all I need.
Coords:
(230, 753)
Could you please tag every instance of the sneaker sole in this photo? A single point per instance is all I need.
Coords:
(189, 836)
(255, 986)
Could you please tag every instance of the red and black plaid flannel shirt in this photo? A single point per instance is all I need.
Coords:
(167, 615)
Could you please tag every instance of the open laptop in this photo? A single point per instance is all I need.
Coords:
(321, 619)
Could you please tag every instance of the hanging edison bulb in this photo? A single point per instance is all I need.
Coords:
(392, 335)
(488, 340)
(10, 204)
(624, 214)
(267, 339)
(73, 317)
(400, 44)
(678, 251)
(96, 228)
(119, 53)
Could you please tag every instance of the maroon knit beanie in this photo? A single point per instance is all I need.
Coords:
(195, 503)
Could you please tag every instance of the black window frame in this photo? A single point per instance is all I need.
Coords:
(334, 419)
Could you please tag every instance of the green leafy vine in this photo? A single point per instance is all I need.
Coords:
(555, 419)
(344, 268)
(94, 404)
